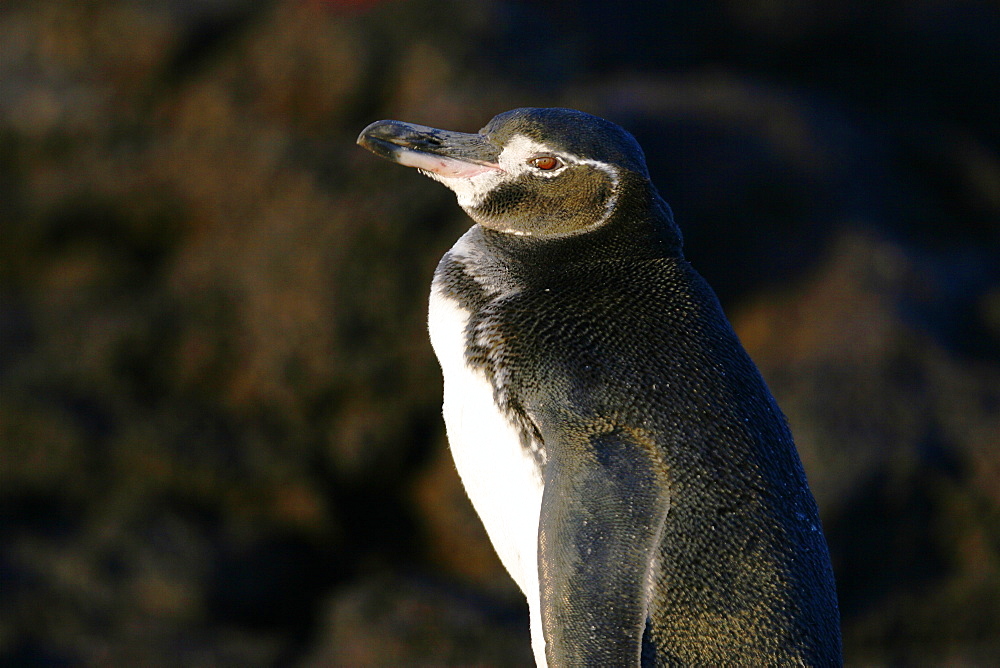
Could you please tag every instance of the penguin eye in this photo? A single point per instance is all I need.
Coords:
(546, 163)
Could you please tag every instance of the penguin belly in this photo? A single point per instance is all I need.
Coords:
(500, 476)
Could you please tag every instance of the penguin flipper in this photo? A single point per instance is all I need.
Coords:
(602, 512)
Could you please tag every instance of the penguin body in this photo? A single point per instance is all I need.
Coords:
(633, 472)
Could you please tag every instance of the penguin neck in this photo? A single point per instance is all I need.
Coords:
(641, 228)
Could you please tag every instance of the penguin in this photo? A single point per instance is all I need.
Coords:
(633, 471)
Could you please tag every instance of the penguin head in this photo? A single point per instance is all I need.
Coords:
(530, 172)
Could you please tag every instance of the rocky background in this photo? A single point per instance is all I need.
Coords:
(220, 441)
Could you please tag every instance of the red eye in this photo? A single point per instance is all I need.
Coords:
(546, 162)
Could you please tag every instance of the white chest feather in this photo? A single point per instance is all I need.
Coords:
(501, 478)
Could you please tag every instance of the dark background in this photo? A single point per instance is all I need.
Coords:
(219, 411)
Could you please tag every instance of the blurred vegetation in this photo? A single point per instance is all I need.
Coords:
(219, 413)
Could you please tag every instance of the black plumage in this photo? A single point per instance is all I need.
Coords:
(676, 523)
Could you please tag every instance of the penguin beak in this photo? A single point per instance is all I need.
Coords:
(441, 152)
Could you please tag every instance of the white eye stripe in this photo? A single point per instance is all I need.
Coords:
(517, 155)
(515, 161)
(612, 173)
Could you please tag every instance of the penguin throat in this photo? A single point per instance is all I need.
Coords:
(470, 190)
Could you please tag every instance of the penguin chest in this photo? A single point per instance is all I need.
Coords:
(500, 475)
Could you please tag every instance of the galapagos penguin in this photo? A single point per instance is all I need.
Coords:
(630, 465)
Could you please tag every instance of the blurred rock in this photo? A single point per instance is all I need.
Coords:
(400, 622)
